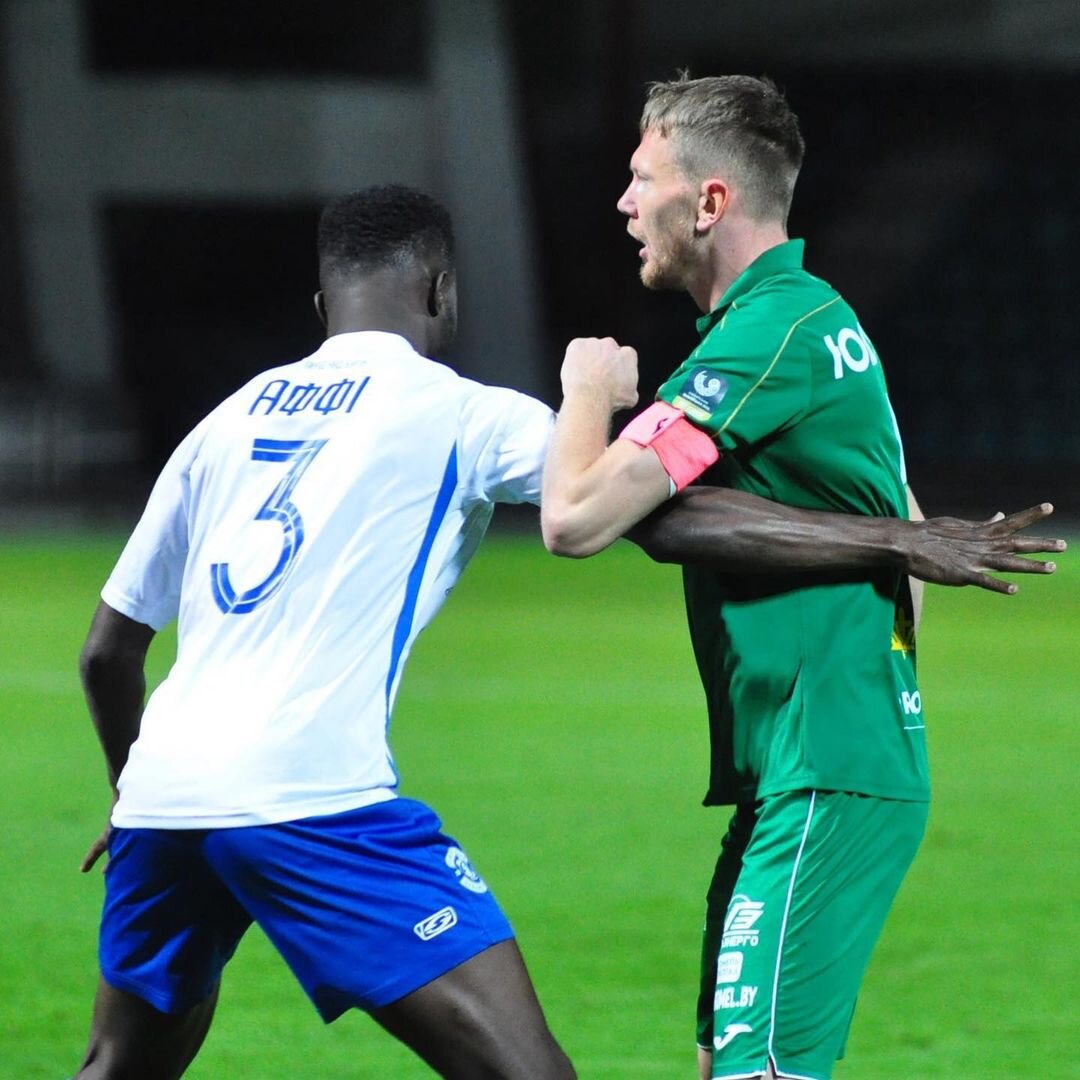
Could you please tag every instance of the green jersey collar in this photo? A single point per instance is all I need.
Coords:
(786, 256)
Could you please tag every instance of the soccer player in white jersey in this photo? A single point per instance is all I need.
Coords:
(303, 534)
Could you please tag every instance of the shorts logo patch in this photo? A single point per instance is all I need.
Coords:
(740, 923)
(701, 393)
(729, 967)
(467, 877)
(729, 1033)
(436, 924)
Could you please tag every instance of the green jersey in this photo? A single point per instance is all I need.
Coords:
(810, 679)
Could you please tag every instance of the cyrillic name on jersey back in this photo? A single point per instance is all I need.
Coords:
(289, 398)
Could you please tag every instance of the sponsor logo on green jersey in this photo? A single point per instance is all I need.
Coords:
(701, 393)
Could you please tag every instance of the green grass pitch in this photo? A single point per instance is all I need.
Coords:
(552, 716)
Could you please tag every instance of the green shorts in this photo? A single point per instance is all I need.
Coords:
(801, 890)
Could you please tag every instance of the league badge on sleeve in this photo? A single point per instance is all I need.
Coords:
(700, 394)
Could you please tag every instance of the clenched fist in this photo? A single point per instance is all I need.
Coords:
(601, 366)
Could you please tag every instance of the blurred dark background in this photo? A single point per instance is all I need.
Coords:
(162, 166)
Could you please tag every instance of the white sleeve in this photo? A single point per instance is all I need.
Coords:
(146, 581)
(506, 435)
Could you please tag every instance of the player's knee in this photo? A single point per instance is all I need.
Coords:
(541, 1061)
(111, 1059)
(559, 1066)
(100, 1064)
(544, 1059)
(565, 1068)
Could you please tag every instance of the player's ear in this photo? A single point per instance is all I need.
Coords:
(320, 307)
(439, 293)
(713, 200)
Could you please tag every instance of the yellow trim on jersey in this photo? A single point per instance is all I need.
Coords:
(783, 345)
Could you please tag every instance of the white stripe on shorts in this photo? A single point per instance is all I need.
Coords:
(784, 922)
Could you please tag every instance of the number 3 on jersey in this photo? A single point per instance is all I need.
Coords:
(276, 508)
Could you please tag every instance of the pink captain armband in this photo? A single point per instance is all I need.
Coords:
(684, 450)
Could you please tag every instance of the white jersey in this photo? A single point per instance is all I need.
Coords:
(304, 533)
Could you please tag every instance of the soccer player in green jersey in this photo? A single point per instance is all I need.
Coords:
(817, 725)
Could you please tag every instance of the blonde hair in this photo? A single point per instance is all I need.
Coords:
(737, 122)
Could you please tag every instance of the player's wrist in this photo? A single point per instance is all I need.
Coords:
(592, 398)
(899, 544)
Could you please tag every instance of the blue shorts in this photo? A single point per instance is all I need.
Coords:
(365, 906)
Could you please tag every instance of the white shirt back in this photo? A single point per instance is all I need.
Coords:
(304, 533)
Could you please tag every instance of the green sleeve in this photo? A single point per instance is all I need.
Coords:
(746, 380)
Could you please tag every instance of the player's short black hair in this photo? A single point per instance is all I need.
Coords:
(380, 227)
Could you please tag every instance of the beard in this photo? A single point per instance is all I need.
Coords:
(670, 245)
(662, 274)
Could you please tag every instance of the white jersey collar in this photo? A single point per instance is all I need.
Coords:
(357, 346)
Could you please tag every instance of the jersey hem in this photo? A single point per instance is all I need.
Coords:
(274, 815)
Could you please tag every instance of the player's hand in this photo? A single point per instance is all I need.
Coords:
(601, 366)
(98, 848)
(951, 551)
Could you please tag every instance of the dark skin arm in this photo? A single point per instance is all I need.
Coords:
(111, 668)
(744, 533)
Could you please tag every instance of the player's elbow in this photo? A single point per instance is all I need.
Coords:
(653, 543)
(96, 665)
(566, 534)
(114, 647)
(102, 660)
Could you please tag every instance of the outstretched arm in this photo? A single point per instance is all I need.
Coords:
(111, 667)
(745, 533)
(595, 492)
